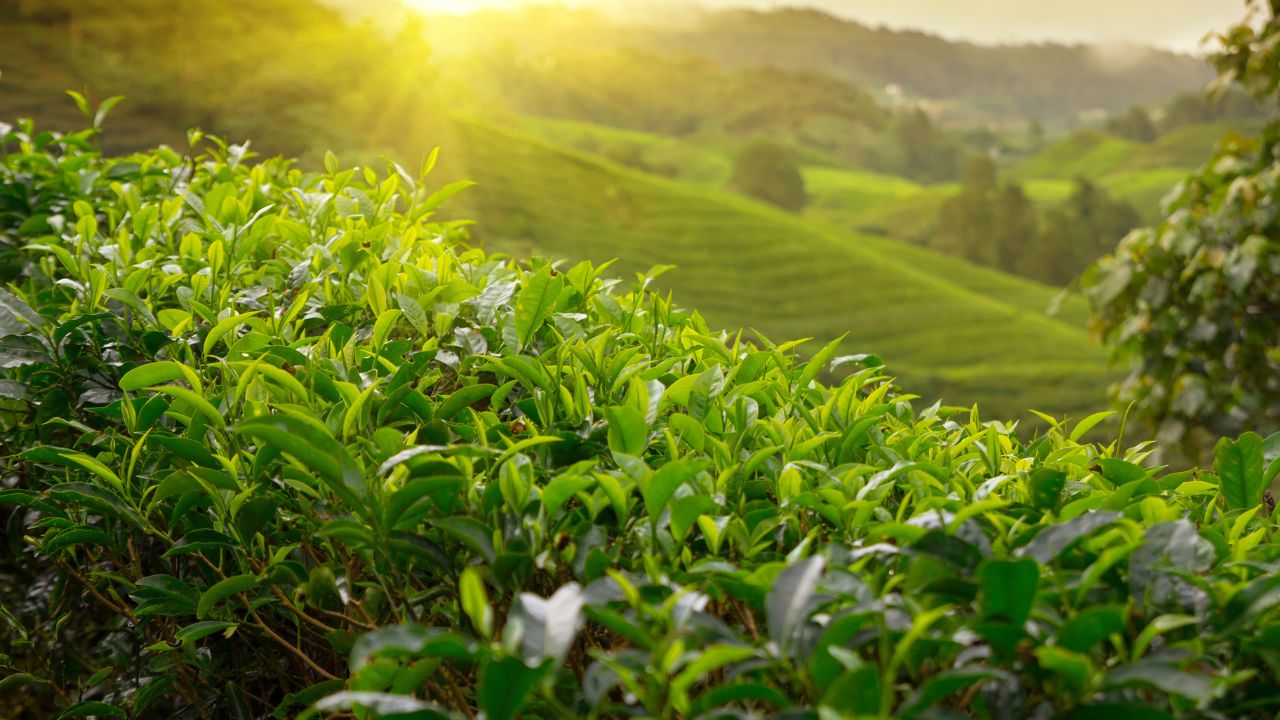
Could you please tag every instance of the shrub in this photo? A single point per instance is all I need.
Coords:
(766, 171)
(1193, 306)
(279, 443)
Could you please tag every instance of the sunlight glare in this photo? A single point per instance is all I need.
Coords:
(462, 7)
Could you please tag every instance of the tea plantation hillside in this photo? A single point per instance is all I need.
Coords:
(950, 329)
(281, 444)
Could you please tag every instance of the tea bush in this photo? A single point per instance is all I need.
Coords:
(280, 443)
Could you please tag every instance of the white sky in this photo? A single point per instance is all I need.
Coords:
(1176, 24)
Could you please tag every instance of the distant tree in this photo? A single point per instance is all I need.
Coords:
(767, 171)
(925, 153)
(994, 223)
(1193, 306)
(1035, 135)
(1195, 108)
(967, 222)
(1076, 233)
(1017, 224)
(1133, 125)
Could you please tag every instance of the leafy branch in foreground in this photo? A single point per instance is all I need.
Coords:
(1193, 306)
(280, 443)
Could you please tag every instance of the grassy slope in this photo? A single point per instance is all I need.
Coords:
(945, 326)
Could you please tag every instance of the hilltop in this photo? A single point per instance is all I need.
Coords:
(1056, 84)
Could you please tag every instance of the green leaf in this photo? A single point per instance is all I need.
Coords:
(1160, 626)
(471, 533)
(787, 605)
(663, 484)
(823, 665)
(708, 660)
(254, 515)
(403, 641)
(157, 373)
(855, 693)
(1008, 590)
(203, 629)
(436, 488)
(16, 679)
(47, 453)
(219, 331)
(1073, 667)
(16, 317)
(1090, 627)
(736, 693)
(1239, 466)
(628, 432)
(560, 489)
(1053, 541)
(309, 442)
(1121, 472)
(1251, 601)
(505, 685)
(1046, 486)
(104, 108)
(195, 400)
(945, 684)
(475, 601)
(415, 313)
(463, 399)
(437, 198)
(535, 302)
(73, 536)
(1163, 677)
(819, 361)
(1087, 424)
(131, 300)
(222, 590)
(81, 102)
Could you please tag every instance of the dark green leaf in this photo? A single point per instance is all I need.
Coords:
(1239, 466)
(1008, 590)
(505, 685)
(1046, 486)
(788, 600)
(1053, 541)
(1090, 627)
(222, 590)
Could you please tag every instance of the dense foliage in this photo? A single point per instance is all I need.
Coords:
(278, 439)
(1193, 305)
(767, 171)
(995, 223)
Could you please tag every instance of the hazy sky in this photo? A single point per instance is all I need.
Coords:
(1177, 24)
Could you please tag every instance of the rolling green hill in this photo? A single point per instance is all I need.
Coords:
(946, 327)
(1098, 155)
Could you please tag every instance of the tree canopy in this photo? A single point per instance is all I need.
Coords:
(1192, 306)
(767, 171)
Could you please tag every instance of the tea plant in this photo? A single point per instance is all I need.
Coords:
(280, 443)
